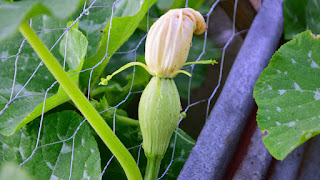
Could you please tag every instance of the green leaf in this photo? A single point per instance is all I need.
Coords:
(300, 15)
(122, 29)
(98, 18)
(54, 161)
(76, 51)
(288, 95)
(12, 14)
(73, 47)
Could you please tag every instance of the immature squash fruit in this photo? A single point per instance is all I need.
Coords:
(159, 112)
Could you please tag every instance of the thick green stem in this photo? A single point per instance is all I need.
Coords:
(153, 167)
(89, 112)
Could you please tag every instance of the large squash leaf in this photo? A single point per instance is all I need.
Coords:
(288, 95)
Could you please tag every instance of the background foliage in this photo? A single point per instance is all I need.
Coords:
(64, 140)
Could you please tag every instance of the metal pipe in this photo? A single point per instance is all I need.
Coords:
(218, 139)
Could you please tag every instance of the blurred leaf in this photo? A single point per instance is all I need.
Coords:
(300, 15)
(199, 72)
(313, 16)
(13, 14)
(166, 5)
(54, 161)
(288, 95)
(13, 172)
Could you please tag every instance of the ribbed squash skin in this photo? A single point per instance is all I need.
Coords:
(159, 112)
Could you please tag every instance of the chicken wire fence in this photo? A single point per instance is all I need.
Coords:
(16, 89)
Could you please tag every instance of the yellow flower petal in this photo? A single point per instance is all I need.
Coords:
(169, 41)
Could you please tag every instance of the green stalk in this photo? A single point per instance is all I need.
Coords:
(127, 120)
(153, 167)
(89, 112)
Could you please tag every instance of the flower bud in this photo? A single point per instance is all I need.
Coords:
(169, 40)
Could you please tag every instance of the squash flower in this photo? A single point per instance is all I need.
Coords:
(167, 48)
(169, 40)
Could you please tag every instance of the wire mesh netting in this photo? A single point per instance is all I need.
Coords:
(22, 82)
